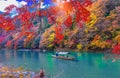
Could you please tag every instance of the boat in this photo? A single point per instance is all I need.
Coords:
(63, 55)
(40, 75)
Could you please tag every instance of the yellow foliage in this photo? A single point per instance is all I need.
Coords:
(93, 18)
(117, 38)
(118, 32)
(50, 46)
(65, 42)
(104, 44)
(48, 36)
(67, 32)
(92, 43)
(86, 30)
(48, 32)
(112, 15)
(100, 44)
(59, 19)
(75, 30)
(96, 28)
(95, 43)
(97, 37)
(108, 45)
(79, 46)
(51, 37)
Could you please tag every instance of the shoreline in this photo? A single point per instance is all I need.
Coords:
(62, 49)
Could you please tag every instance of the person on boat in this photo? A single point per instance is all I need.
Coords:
(56, 53)
(41, 73)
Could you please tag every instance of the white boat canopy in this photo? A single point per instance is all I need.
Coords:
(63, 53)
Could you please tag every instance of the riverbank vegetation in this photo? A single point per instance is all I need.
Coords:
(83, 25)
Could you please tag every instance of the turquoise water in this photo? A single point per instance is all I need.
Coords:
(86, 65)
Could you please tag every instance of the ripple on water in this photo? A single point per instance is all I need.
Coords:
(87, 65)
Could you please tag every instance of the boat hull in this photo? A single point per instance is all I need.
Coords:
(62, 57)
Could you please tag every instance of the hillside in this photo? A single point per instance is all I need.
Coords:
(81, 26)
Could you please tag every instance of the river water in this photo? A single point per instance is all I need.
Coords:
(86, 65)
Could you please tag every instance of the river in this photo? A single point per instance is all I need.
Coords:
(86, 65)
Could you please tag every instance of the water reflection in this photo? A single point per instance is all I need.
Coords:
(113, 57)
(88, 65)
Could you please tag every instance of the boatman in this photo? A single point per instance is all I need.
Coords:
(56, 53)
(42, 73)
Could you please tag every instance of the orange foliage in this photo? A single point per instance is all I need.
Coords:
(59, 36)
(68, 21)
